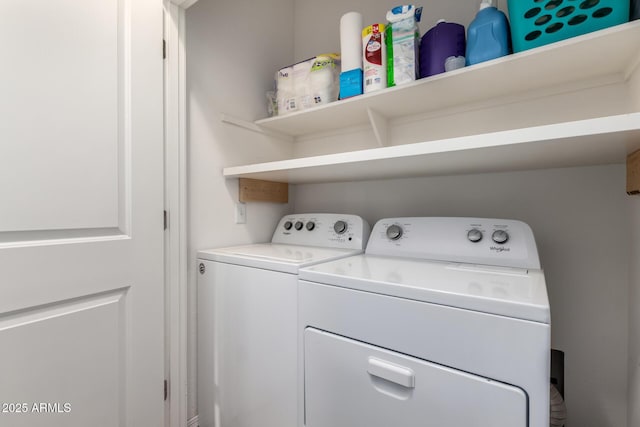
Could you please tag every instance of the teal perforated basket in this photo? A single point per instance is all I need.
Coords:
(538, 22)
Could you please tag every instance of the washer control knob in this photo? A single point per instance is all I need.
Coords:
(340, 227)
(474, 235)
(299, 225)
(500, 236)
(311, 225)
(394, 232)
(287, 225)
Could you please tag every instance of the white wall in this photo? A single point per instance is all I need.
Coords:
(580, 218)
(634, 315)
(231, 61)
(634, 87)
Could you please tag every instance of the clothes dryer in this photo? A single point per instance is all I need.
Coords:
(247, 319)
(442, 322)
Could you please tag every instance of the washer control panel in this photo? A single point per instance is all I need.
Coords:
(323, 230)
(485, 241)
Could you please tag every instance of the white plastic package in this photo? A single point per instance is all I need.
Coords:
(308, 84)
(403, 38)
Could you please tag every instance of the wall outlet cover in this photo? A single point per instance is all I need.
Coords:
(241, 213)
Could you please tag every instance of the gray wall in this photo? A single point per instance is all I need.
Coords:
(583, 221)
(230, 64)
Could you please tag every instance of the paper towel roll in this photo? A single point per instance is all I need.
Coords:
(351, 41)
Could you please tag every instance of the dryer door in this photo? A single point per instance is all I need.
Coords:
(349, 383)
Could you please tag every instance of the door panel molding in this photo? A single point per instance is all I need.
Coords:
(68, 360)
(42, 312)
(59, 237)
(67, 118)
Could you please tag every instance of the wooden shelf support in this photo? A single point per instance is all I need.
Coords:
(633, 173)
(255, 190)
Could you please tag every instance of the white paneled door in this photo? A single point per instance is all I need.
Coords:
(81, 229)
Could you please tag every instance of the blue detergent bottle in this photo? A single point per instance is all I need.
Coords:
(488, 35)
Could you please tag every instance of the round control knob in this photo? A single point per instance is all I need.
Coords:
(340, 227)
(500, 236)
(311, 225)
(299, 225)
(394, 232)
(474, 235)
(287, 225)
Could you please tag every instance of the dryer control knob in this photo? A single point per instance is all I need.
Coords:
(500, 236)
(474, 235)
(394, 232)
(340, 227)
(299, 225)
(311, 225)
(287, 225)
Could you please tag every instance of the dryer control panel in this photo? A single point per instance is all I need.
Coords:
(323, 230)
(484, 241)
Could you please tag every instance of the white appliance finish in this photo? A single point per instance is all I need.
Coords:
(397, 390)
(444, 321)
(247, 319)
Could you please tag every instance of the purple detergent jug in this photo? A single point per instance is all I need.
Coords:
(440, 42)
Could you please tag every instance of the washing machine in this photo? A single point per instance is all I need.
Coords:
(247, 319)
(443, 322)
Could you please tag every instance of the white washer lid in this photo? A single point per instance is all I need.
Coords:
(276, 257)
(505, 291)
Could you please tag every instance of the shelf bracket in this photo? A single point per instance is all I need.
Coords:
(256, 190)
(633, 173)
(225, 118)
(380, 127)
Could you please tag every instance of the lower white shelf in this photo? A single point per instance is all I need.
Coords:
(602, 140)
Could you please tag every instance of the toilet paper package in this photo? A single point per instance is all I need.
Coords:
(324, 80)
(285, 92)
(308, 83)
(301, 86)
(403, 38)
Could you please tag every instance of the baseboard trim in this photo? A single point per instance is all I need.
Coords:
(193, 422)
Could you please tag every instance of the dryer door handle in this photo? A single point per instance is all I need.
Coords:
(391, 372)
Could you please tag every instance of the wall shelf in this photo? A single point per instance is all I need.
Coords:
(555, 68)
(595, 59)
(602, 140)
